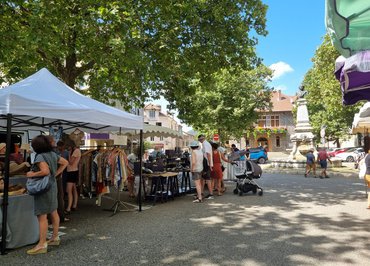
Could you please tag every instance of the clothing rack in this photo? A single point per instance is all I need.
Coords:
(120, 205)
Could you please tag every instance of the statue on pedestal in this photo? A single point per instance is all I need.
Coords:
(303, 138)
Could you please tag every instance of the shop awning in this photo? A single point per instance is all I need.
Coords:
(361, 121)
(156, 131)
(347, 23)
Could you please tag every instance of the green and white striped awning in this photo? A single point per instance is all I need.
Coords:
(348, 24)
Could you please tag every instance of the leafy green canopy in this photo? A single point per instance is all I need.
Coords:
(324, 95)
(129, 50)
(228, 103)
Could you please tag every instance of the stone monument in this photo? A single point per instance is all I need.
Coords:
(303, 138)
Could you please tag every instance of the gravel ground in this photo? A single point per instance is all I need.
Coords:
(297, 221)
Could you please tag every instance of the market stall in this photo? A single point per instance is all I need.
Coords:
(41, 102)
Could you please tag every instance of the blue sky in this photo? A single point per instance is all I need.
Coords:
(296, 29)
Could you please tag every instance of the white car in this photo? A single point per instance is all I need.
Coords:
(351, 155)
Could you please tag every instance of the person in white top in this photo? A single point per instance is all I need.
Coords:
(206, 177)
(72, 176)
(196, 168)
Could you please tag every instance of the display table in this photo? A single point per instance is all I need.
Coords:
(163, 186)
(22, 224)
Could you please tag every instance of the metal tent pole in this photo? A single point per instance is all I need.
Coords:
(141, 167)
(6, 184)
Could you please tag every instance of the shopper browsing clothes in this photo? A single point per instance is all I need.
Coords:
(207, 166)
(49, 163)
(72, 176)
(196, 168)
(216, 173)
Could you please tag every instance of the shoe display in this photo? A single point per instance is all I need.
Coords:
(38, 250)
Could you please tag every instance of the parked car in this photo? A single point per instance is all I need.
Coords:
(350, 155)
(258, 154)
(335, 151)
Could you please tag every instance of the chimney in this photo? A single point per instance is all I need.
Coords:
(279, 95)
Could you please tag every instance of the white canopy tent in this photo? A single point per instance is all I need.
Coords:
(41, 101)
(365, 110)
(360, 124)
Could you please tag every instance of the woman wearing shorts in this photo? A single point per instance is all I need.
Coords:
(72, 176)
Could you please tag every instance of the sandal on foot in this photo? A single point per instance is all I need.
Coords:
(198, 201)
(38, 250)
(54, 242)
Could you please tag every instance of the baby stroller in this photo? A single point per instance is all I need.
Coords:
(245, 172)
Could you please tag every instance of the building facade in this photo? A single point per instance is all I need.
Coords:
(274, 127)
(153, 115)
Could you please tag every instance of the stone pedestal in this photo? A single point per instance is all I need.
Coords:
(303, 139)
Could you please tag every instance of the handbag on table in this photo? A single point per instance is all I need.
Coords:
(38, 185)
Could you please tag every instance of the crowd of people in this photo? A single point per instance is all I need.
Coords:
(61, 161)
(206, 168)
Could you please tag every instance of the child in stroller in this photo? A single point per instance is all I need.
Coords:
(245, 172)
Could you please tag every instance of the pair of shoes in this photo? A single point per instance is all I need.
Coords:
(305, 175)
(54, 242)
(209, 196)
(38, 250)
(198, 201)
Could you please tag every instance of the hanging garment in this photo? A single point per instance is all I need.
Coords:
(56, 133)
(77, 136)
